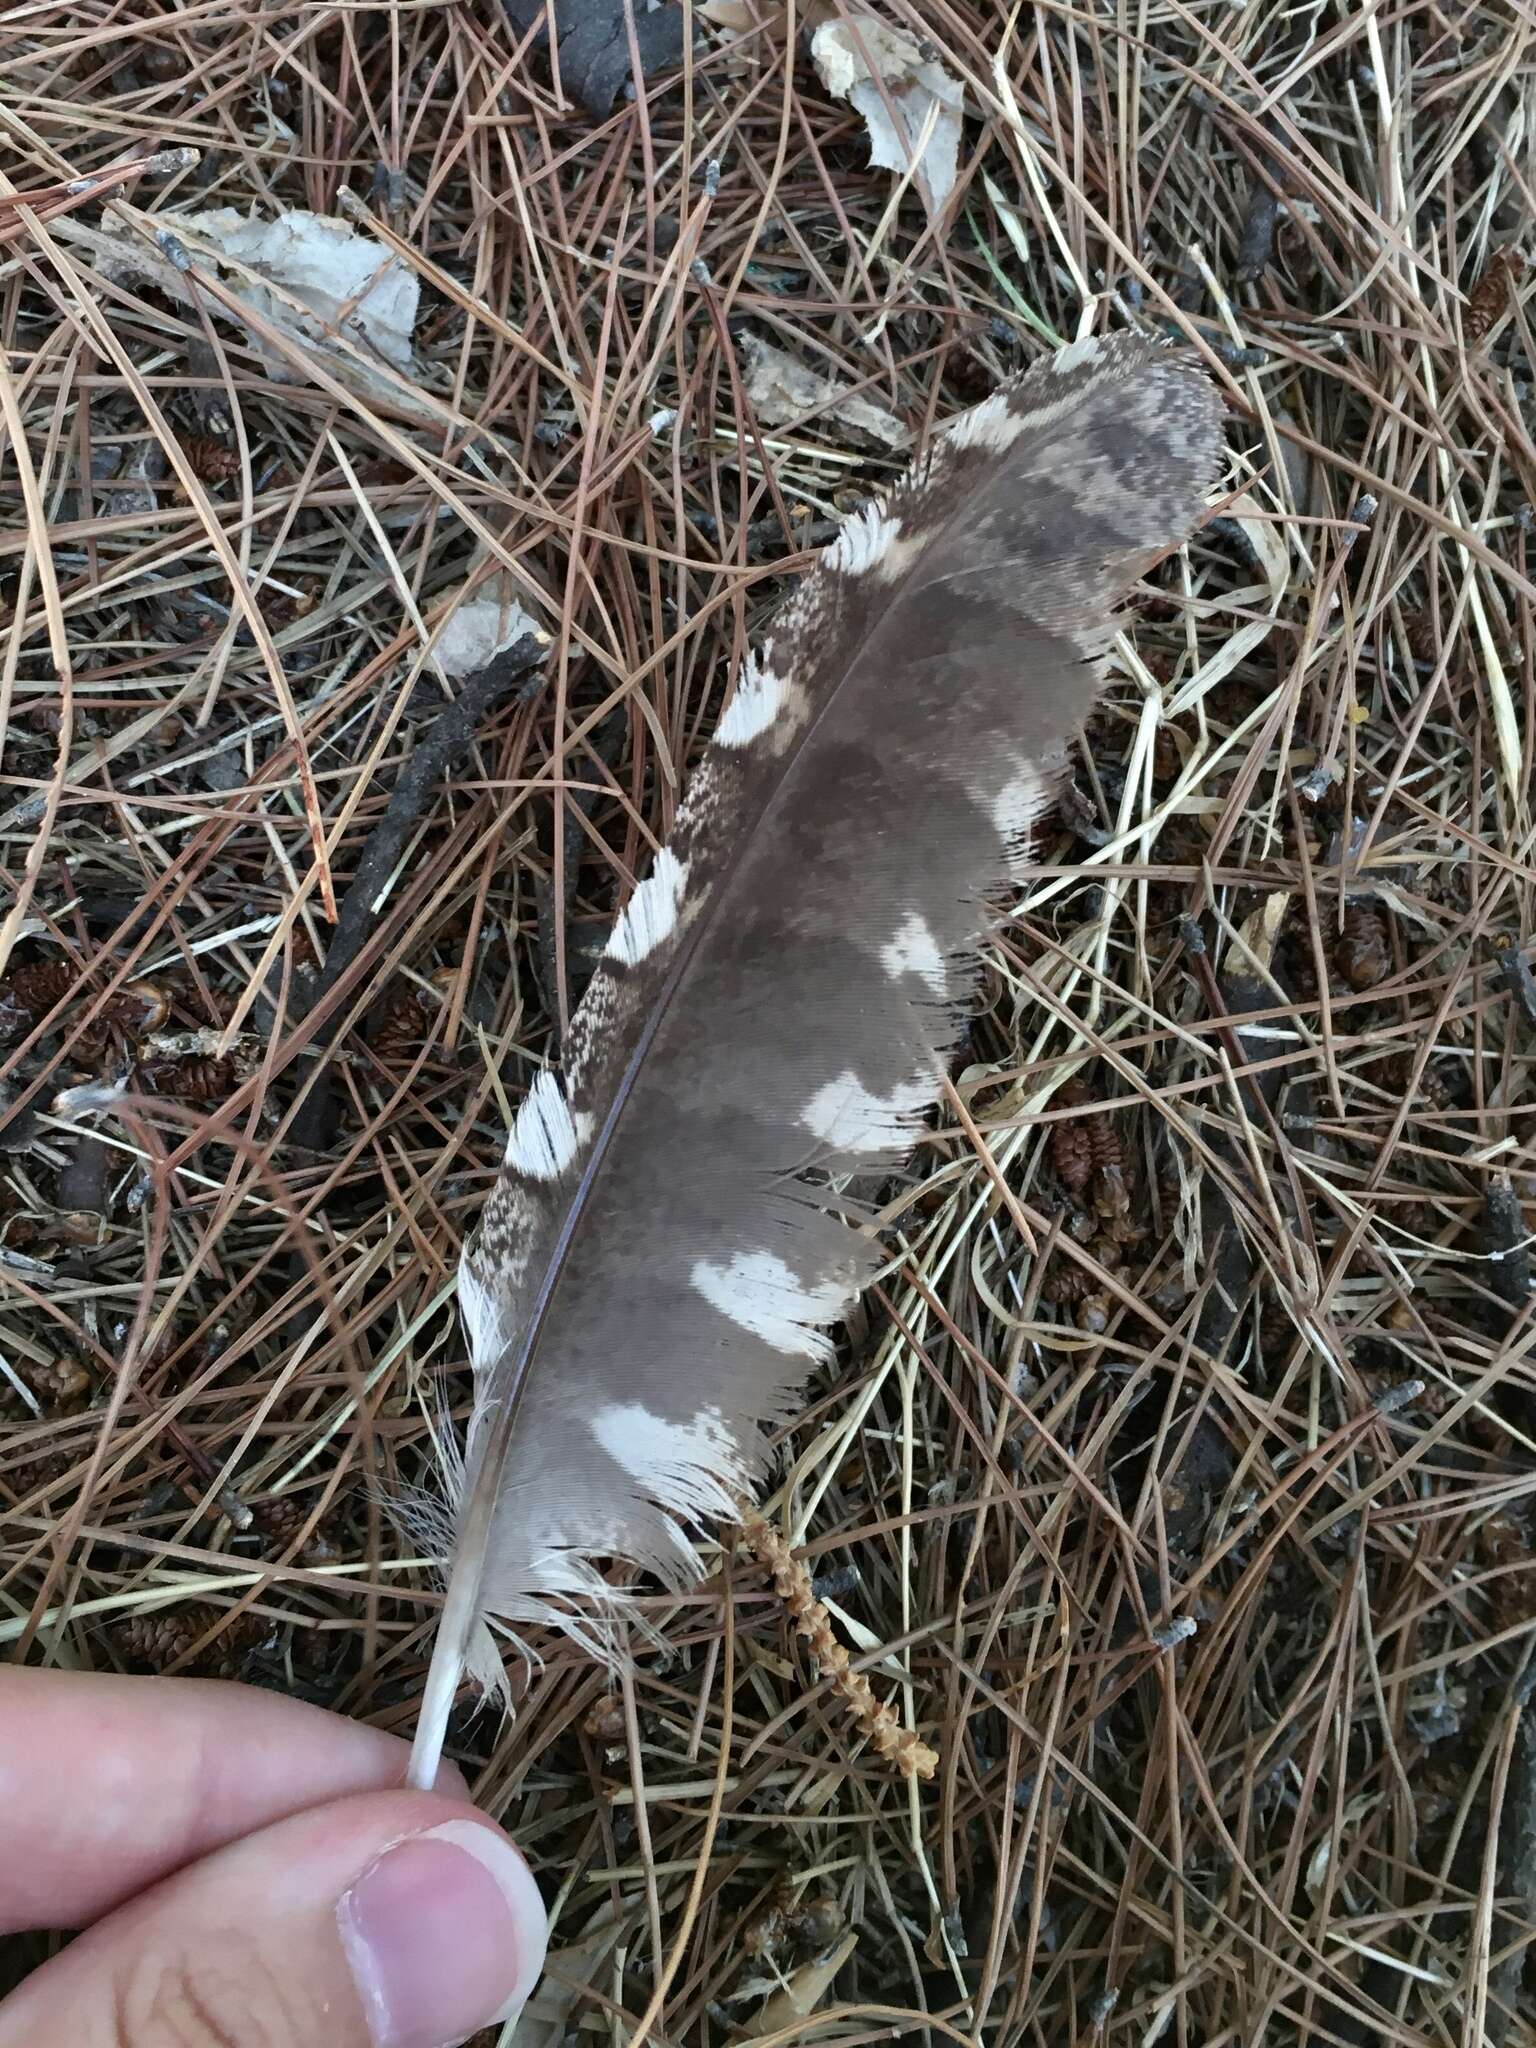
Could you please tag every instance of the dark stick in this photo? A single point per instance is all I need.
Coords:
(1256, 250)
(1514, 972)
(1503, 1236)
(449, 739)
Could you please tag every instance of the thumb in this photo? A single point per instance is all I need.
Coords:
(388, 1920)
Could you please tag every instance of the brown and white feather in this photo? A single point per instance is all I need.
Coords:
(654, 1274)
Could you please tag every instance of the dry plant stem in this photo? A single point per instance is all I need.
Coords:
(445, 1672)
(900, 1746)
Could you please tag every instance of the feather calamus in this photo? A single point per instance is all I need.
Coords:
(654, 1271)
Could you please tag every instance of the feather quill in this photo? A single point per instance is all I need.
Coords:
(655, 1268)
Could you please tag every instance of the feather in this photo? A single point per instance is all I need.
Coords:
(660, 1259)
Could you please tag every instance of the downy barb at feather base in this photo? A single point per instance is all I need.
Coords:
(654, 1273)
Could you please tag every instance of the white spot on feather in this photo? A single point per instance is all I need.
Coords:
(650, 916)
(1017, 805)
(761, 1294)
(846, 1116)
(992, 425)
(871, 544)
(1075, 355)
(996, 423)
(759, 698)
(689, 1468)
(546, 1137)
(915, 950)
(484, 1323)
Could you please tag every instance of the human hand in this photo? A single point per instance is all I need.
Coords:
(249, 1873)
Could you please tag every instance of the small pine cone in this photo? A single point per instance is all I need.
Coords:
(30, 992)
(161, 1639)
(1093, 1314)
(1071, 1142)
(1072, 1156)
(1491, 294)
(1103, 1143)
(212, 460)
(401, 1026)
(1437, 1089)
(1361, 952)
(1065, 1283)
(139, 1007)
(815, 1924)
(199, 1078)
(605, 1721)
(61, 1383)
(281, 1520)
(158, 1639)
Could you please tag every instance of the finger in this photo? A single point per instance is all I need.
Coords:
(388, 1920)
(108, 1783)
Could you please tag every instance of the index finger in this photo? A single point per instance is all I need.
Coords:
(108, 1784)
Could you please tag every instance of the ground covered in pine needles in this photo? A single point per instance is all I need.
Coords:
(1176, 1485)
